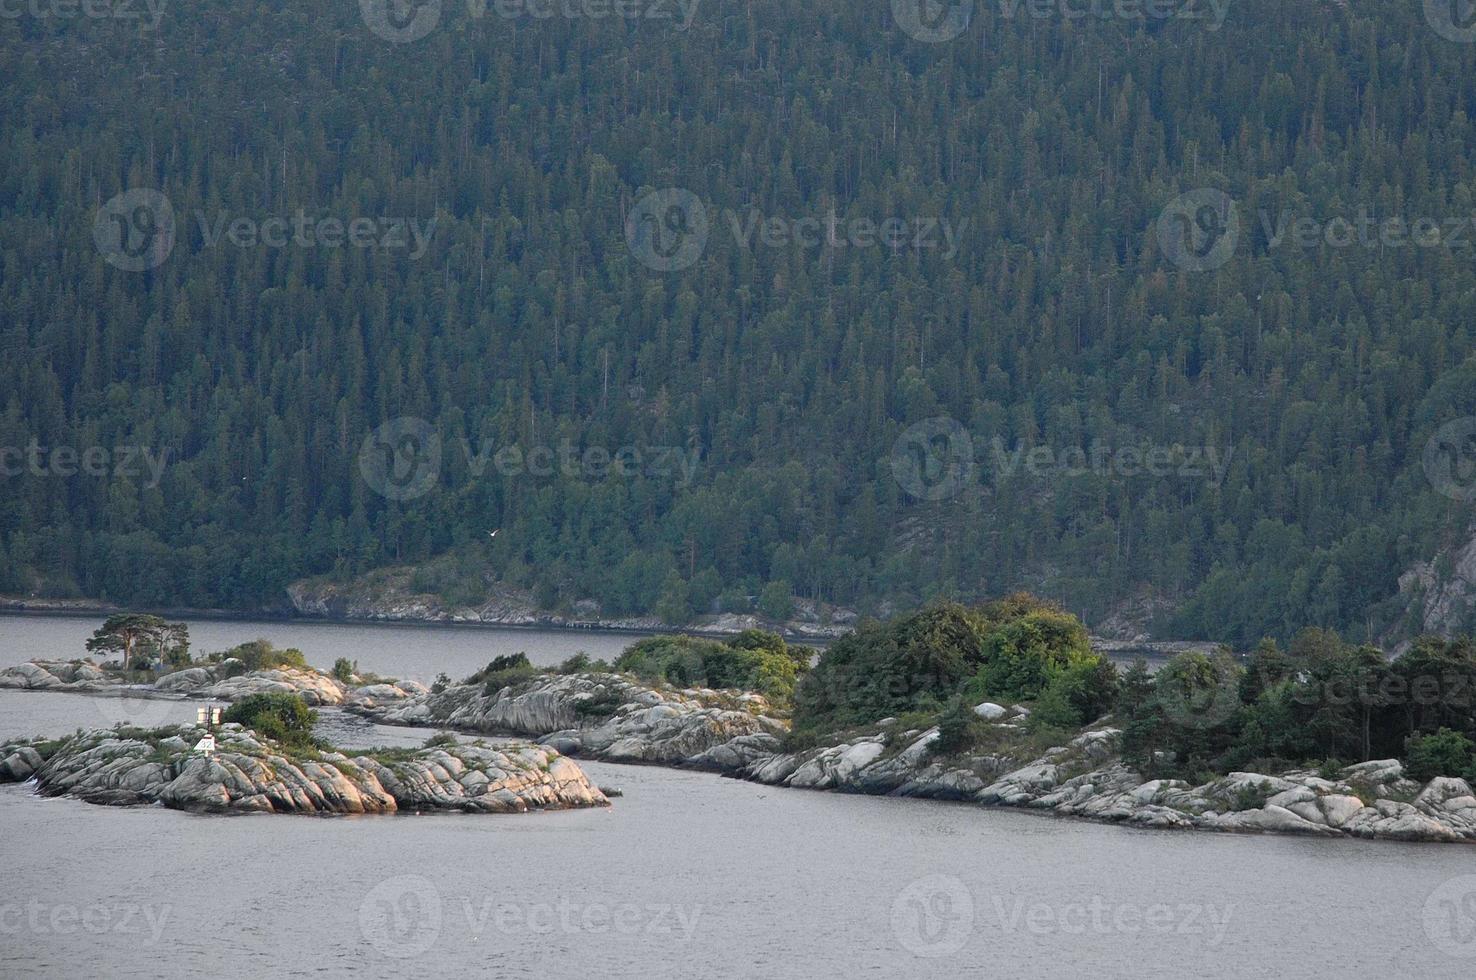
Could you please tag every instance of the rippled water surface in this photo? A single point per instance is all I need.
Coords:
(687, 875)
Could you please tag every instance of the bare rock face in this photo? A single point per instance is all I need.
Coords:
(59, 675)
(251, 775)
(604, 716)
(1087, 778)
(1441, 593)
(226, 681)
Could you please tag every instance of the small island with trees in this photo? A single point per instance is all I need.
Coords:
(1001, 703)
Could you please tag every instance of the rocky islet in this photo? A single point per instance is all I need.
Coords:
(615, 718)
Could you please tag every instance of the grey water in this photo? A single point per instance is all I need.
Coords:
(405, 651)
(685, 875)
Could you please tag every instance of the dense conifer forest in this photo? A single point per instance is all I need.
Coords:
(449, 229)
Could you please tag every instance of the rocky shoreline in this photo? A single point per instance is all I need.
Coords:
(1087, 778)
(607, 717)
(387, 596)
(227, 680)
(250, 774)
(1084, 778)
(615, 718)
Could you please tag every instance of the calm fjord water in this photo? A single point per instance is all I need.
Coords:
(687, 875)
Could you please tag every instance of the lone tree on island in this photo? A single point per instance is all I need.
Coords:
(126, 632)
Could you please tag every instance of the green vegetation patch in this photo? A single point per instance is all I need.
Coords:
(751, 661)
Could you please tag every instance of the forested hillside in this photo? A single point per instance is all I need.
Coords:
(517, 288)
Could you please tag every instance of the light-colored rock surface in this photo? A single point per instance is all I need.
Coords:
(122, 767)
(603, 716)
(61, 675)
(612, 717)
(1085, 778)
(227, 680)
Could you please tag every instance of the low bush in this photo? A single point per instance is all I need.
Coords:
(751, 661)
(1445, 753)
(285, 718)
(504, 671)
(959, 729)
(577, 664)
(261, 655)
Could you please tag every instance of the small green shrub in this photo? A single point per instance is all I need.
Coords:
(261, 655)
(504, 671)
(282, 717)
(751, 661)
(1249, 797)
(577, 664)
(1445, 753)
(959, 729)
(600, 706)
(442, 681)
(344, 669)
